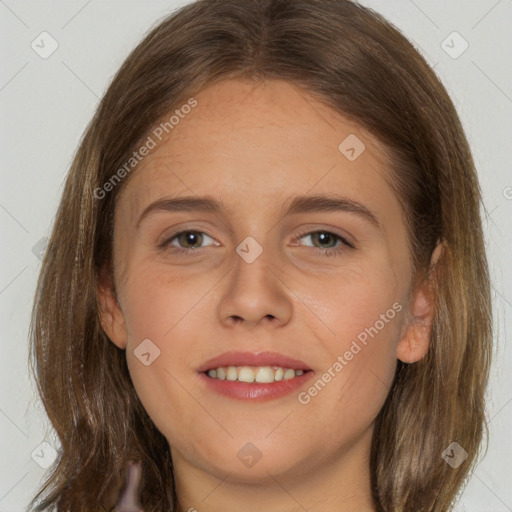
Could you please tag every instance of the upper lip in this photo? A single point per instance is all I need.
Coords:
(253, 359)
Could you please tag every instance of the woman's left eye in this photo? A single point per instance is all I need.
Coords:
(193, 238)
(327, 237)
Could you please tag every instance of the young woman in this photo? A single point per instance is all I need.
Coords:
(266, 281)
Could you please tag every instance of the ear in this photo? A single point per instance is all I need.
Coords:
(415, 342)
(112, 317)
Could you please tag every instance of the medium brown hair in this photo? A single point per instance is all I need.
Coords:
(353, 60)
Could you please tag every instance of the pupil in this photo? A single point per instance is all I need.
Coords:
(189, 237)
(323, 235)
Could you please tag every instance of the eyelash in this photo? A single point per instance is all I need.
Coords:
(326, 252)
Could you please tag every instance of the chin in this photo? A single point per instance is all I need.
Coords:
(251, 466)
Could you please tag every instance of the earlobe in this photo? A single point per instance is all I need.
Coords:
(112, 318)
(415, 342)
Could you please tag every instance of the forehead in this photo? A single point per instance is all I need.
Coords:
(254, 145)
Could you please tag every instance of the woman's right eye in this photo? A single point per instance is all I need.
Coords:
(189, 237)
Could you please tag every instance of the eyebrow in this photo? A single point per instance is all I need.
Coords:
(299, 204)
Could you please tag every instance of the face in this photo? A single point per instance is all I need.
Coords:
(323, 282)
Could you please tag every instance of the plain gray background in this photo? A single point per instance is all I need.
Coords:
(46, 104)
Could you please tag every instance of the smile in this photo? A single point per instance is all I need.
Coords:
(260, 374)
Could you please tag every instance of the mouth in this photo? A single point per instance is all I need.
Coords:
(254, 376)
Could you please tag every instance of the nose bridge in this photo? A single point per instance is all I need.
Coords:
(251, 270)
(255, 290)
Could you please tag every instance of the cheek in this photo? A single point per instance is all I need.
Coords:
(157, 299)
(364, 314)
(361, 304)
(159, 307)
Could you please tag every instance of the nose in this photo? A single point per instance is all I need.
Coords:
(256, 293)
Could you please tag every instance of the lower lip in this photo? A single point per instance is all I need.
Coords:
(253, 390)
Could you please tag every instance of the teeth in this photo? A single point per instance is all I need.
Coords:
(245, 374)
(262, 374)
(289, 374)
(265, 374)
(231, 373)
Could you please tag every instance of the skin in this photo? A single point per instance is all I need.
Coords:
(255, 147)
